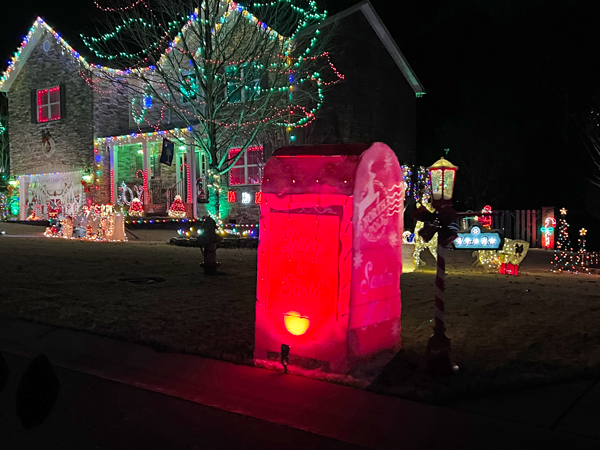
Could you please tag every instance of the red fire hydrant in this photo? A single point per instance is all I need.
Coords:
(208, 240)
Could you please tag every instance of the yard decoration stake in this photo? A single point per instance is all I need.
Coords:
(329, 256)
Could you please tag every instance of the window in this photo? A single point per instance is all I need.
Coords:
(48, 104)
(189, 87)
(242, 84)
(154, 148)
(248, 169)
(234, 93)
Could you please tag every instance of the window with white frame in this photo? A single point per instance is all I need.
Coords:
(249, 168)
(48, 104)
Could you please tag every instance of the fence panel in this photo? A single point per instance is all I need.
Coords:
(534, 228)
(520, 224)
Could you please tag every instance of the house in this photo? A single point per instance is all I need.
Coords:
(376, 102)
(74, 140)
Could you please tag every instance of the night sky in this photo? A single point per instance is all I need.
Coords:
(507, 81)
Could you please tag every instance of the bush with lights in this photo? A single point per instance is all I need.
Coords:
(177, 208)
(136, 209)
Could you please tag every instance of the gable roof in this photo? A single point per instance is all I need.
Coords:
(29, 42)
(36, 31)
(367, 9)
(38, 28)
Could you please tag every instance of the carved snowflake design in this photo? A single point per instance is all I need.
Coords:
(358, 260)
(393, 239)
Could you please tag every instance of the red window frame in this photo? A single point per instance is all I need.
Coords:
(239, 174)
(48, 104)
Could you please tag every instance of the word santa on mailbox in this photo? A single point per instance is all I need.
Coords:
(329, 256)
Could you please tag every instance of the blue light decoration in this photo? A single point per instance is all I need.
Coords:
(475, 239)
(147, 101)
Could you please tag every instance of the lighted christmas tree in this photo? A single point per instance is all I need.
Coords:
(563, 255)
(136, 209)
(582, 235)
(582, 258)
(177, 209)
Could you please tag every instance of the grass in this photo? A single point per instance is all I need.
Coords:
(506, 331)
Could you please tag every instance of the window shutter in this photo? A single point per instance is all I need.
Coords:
(63, 101)
(34, 110)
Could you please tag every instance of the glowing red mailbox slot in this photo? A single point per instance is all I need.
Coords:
(329, 257)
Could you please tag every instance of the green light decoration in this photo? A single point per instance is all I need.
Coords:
(189, 87)
(14, 205)
(128, 25)
(137, 117)
(224, 205)
(308, 16)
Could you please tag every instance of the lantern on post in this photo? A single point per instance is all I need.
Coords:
(441, 175)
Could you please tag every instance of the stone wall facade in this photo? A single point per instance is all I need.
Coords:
(72, 134)
(111, 110)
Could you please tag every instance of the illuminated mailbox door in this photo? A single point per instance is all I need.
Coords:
(329, 259)
(303, 275)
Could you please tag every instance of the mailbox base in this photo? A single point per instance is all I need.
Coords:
(323, 344)
(330, 346)
(370, 340)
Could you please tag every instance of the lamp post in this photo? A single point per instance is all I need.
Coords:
(442, 175)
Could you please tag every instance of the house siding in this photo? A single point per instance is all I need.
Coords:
(375, 102)
(111, 110)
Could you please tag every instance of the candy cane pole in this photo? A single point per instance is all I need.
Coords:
(438, 348)
(440, 277)
(189, 181)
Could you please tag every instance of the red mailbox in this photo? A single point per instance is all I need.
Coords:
(329, 257)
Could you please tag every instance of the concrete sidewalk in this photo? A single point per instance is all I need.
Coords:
(339, 412)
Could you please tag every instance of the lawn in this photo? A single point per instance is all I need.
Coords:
(506, 331)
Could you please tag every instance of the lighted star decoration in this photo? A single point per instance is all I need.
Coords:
(358, 260)
(563, 211)
(582, 232)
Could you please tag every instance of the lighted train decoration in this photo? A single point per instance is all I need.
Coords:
(477, 238)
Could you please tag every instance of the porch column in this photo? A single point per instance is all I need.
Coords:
(146, 170)
(191, 159)
(114, 176)
(22, 211)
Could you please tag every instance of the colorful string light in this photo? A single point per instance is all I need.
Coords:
(177, 208)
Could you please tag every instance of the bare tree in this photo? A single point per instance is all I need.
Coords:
(228, 73)
(591, 128)
(484, 152)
